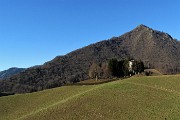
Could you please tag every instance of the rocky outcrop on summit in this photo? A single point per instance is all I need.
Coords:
(156, 49)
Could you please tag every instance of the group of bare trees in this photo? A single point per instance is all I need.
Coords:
(99, 71)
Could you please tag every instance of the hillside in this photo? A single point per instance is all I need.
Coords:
(158, 50)
(137, 98)
(10, 72)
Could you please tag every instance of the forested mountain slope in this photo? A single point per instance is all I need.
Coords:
(158, 50)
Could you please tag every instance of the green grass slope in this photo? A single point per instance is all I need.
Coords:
(136, 98)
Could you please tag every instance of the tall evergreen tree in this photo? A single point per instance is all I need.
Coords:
(113, 67)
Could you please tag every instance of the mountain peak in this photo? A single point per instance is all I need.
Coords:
(141, 26)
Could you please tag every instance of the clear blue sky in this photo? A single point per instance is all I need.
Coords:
(35, 31)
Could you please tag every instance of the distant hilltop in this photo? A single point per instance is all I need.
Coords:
(10, 72)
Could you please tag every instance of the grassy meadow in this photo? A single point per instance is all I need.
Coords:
(135, 98)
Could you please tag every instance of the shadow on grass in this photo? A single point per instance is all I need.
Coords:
(6, 94)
